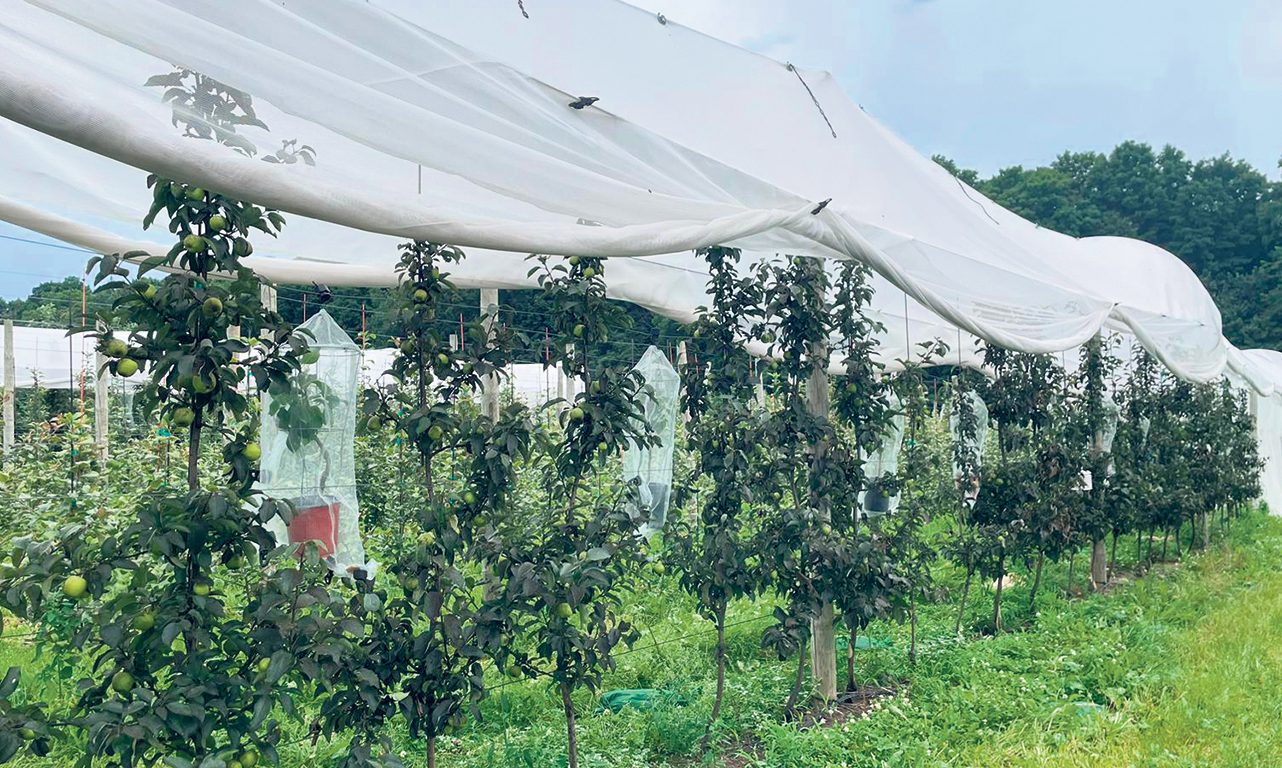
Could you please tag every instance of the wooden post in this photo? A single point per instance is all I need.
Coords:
(101, 383)
(267, 297)
(1099, 551)
(571, 386)
(233, 332)
(490, 382)
(823, 645)
(682, 361)
(10, 385)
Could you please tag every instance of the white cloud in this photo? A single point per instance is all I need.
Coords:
(1262, 43)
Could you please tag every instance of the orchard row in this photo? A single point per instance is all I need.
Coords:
(204, 633)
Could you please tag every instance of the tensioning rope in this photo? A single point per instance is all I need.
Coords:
(813, 98)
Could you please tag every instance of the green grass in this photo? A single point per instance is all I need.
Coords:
(1218, 703)
(1179, 668)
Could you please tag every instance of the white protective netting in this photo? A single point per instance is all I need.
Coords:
(1268, 418)
(1107, 432)
(1267, 408)
(531, 383)
(884, 463)
(651, 466)
(52, 358)
(452, 122)
(307, 438)
(971, 445)
(510, 166)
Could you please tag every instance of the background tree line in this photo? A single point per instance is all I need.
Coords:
(1221, 216)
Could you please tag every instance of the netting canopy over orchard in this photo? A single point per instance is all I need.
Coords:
(391, 119)
(591, 152)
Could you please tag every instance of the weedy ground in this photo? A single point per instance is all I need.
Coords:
(1180, 666)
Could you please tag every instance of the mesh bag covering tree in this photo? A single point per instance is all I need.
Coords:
(651, 466)
(1107, 431)
(307, 440)
(970, 444)
(880, 499)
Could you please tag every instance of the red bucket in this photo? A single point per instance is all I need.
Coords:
(315, 519)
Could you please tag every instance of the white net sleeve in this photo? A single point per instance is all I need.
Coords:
(973, 444)
(308, 456)
(884, 462)
(651, 466)
(1107, 432)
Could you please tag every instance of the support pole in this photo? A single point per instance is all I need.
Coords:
(101, 384)
(682, 361)
(823, 645)
(267, 297)
(10, 385)
(568, 382)
(490, 381)
(233, 332)
(1095, 497)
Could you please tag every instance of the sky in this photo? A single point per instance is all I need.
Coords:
(995, 83)
(989, 83)
(28, 259)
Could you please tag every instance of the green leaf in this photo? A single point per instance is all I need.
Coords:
(10, 683)
(262, 708)
(280, 663)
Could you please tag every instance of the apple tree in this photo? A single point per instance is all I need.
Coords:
(425, 636)
(559, 569)
(178, 668)
(795, 538)
(866, 577)
(712, 549)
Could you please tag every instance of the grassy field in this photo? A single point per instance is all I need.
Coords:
(1181, 667)
(1215, 699)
